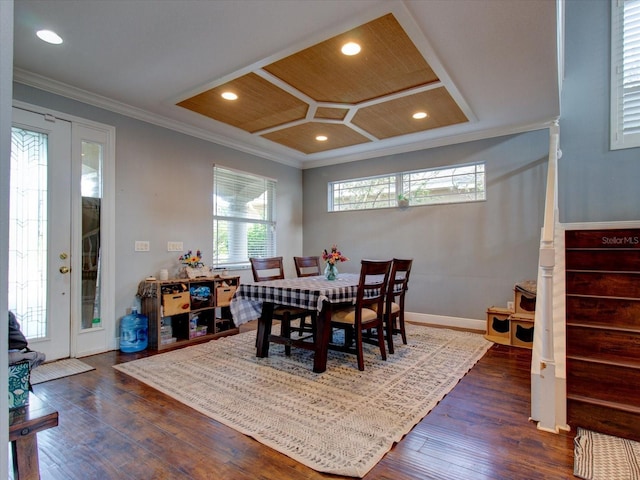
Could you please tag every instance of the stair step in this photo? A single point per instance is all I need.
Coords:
(604, 382)
(603, 403)
(604, 417)
(609, 284)
(611, 239)
(616, 312)
(603, 326)
(603, 259)
(604, 344)
(614, 361)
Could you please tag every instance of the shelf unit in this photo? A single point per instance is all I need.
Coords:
(178, 318)
(513, 327)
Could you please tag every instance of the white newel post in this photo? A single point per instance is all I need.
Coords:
(548, 391)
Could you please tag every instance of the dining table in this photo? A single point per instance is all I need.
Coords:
(257, 300)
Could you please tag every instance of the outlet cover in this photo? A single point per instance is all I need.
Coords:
(142, 246)
(174, 247)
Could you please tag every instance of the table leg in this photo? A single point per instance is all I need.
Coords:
(264, 330)
(25, 458)
(322, 338)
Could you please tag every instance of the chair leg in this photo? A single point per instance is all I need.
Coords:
(381, 342)
(402, 330)
(348, 336)
(389, 322)
(359, 350)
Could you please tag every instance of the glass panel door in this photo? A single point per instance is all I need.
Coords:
(40, 222)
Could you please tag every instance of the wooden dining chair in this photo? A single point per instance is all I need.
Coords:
(272, 268)
(265, 269)
(393, 313)
(307, 267)
(364, 316)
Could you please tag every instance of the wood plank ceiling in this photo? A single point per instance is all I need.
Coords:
(350, 100)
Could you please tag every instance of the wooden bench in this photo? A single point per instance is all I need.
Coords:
(24, 425)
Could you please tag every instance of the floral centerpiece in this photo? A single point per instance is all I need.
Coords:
(193, 264)
(332, 258)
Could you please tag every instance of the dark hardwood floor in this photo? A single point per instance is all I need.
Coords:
(114, 427)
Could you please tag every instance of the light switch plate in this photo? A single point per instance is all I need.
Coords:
(142, 246)
(174, 246)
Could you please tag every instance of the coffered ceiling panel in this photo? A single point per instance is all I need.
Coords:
(395, 117)
(389, 62)
(302, 137)
(260, 104)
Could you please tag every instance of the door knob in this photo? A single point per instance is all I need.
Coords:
(64, 269)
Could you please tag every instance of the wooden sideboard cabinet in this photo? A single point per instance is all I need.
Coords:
(184, 311)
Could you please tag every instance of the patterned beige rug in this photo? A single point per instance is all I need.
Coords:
(342, 421)
(604, 457)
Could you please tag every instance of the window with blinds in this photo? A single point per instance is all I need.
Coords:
(625, 74)
(244, 222)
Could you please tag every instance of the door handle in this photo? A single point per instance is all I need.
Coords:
(65, 269)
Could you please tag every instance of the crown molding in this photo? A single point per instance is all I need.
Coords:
(349, 154)
(53, 86)
(434, 143)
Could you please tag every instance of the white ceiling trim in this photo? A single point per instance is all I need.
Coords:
(74, 93)
(438, 142)
(313, 161)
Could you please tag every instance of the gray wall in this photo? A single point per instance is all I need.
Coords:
(164, 192)
(596, 184)
(467, 257)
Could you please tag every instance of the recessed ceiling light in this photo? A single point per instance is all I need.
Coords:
(229, 96)
(49, 37)
(350, 48)
(321, 138)
(420, 115)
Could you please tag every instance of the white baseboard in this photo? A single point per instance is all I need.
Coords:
(444, 321)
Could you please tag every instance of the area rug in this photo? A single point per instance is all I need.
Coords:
(58, 369)
(342, 421)
(604, 457)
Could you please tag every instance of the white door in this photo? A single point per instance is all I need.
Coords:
(40, 231)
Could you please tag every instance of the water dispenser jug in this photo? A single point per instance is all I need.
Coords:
(134, 332)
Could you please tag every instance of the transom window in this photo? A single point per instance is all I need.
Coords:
(453, 184)
(244, 222)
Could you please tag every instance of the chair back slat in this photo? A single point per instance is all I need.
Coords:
(307, 266)
(265, 269)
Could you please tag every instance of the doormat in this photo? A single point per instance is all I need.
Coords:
(603, 457)
(58, 369)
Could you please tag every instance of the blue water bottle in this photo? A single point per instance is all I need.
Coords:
(134, 332)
